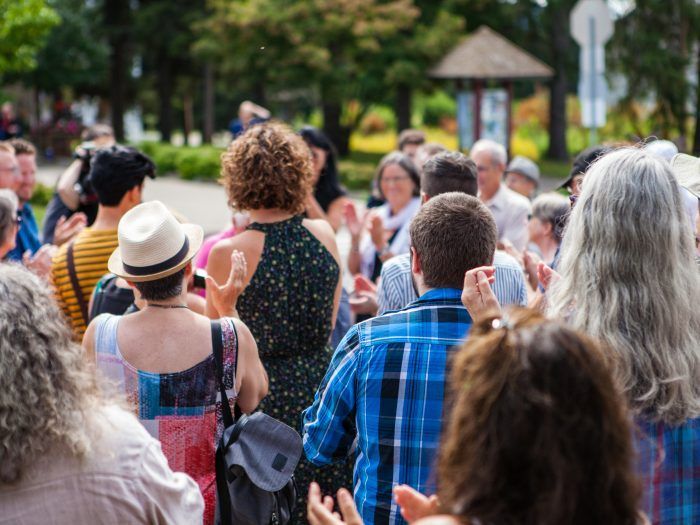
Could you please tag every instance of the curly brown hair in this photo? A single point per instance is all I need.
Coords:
(539, 433)
(268, 167)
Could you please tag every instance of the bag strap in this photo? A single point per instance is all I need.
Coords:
(218, 350)
(70, 264)
(223, 496)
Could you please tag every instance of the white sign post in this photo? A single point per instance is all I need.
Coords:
(591, 27)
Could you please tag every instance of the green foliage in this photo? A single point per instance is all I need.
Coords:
(42, 195)
(75, 54)
(24, 25)
(190, 163)
(436, 107)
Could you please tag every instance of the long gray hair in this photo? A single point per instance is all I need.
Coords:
(629, 279)
(48, 394)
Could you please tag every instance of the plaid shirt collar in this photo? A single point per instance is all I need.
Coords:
(438, 296)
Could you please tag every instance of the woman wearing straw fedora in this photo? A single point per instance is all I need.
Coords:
(161, 357)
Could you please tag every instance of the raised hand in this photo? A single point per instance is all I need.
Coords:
(546, 275)
(414, 505)
(477, 295)
(352, 220)
(376, 230)
(40, 262)
(224, 297)
(66, 229)
(319, 511)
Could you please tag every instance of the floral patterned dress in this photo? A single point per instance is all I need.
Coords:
(288, 307)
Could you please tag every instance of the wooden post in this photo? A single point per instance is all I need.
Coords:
(508, 85)
(478, 93)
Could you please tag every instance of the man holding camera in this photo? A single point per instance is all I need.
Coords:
(74, 204)
(117, 176)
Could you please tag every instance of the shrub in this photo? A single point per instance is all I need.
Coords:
(438, 106)
(198, 163)
(42, 194)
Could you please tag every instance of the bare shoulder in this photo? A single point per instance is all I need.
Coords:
(324, 232)
(249, 242)
(320, 228)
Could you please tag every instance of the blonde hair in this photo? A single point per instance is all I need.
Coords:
(48, 394)
(629, 278)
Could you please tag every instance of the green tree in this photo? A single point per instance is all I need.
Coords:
(330, 45)
(652, 48)
(24, 25)
(75, 54)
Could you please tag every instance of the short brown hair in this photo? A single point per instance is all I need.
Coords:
(449, 171)
(411, 136)
(23, 147)
(452, 233)
(269, 166)
(6, 147)
(538, 431)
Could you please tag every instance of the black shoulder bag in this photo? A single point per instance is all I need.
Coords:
(255, 461)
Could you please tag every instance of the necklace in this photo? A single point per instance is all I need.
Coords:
(167, 305)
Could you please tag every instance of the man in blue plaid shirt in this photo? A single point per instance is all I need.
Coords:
(382, 396)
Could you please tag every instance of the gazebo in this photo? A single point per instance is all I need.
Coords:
(481, 60)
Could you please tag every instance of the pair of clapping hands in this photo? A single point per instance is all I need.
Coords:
(370, 220)
(416, 508)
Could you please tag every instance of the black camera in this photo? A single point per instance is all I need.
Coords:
(87, 194)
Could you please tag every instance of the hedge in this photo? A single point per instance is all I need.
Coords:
(190, 163)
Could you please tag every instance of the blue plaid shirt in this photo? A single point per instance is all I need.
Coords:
(669, 465)
(384, 389)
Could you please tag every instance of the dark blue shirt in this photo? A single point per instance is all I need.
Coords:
(27, 235)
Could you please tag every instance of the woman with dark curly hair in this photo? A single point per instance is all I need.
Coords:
(537, 434)
(292, 279)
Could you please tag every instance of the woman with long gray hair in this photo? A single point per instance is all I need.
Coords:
(67, 453)
(628, 278)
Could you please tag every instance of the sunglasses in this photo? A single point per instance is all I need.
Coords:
(573, 199)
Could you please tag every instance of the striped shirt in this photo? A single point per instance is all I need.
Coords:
(91, 251)
(384, 390)
(396, 288)
(668, 462)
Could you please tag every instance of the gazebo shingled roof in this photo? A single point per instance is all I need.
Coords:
(487, 55)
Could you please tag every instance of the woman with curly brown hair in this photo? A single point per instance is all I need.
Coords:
(538, 434)
(292, 282)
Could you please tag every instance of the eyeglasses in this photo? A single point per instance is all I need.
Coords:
(14, 170)
(18, 220)
(572, 199)
(397, 180)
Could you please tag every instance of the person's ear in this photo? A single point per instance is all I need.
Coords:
(416, 267)
(424, 197)
(548, 228)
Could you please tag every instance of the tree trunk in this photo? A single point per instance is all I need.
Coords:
(165, 85)
(208, 123)
(188, 116)
(332, 110)
(696, 139)
(559, 31)
(404, 97)
(117, 15)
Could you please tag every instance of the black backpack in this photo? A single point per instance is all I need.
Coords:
(255, 461)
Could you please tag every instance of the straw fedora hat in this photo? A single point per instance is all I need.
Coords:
(152, 244)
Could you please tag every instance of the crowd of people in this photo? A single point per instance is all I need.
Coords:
(503, 356)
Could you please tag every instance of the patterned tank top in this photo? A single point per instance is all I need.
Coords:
(180, 409)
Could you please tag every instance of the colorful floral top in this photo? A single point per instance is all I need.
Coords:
(181, 409)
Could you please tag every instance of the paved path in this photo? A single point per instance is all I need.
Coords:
(203, 203)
